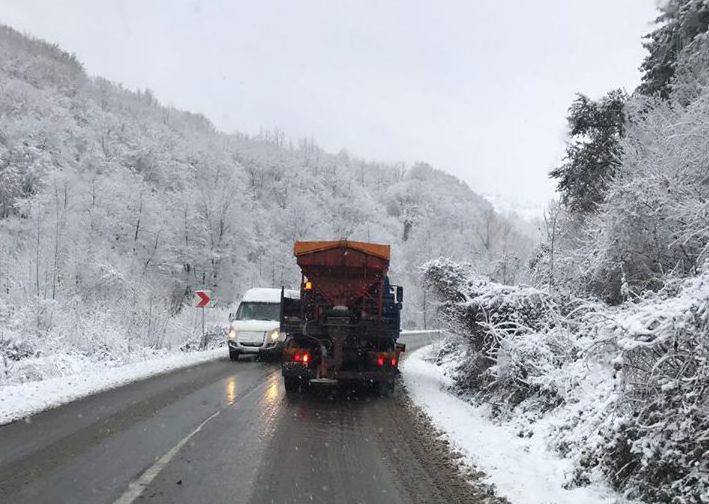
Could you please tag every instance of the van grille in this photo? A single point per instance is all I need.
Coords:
(251, 338)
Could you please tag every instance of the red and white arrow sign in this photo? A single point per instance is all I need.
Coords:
(202, 298)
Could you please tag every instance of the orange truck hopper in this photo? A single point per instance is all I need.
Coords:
(374, 249)
(342, 270)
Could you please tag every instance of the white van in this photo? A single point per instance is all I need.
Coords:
(254, 328)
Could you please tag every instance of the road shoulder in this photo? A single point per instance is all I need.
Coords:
(520, 469)
(428, 465)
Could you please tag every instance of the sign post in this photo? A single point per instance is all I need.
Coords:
(202, 299)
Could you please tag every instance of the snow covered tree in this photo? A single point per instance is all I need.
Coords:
(681, 21)
(592, 153)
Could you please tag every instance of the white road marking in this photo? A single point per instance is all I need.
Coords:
(136, 488)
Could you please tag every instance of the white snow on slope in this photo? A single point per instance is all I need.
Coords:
(25, 399)
(522, 469)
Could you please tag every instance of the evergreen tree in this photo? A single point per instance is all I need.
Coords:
(681, 21)
(592, 154)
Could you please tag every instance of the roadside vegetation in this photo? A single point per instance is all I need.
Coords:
(606, 352)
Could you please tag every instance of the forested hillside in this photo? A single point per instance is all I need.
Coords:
(606, 356)
(113, 208)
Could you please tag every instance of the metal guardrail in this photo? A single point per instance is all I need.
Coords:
(419, 338)
(432, 332)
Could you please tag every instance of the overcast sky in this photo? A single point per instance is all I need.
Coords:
(479, 88)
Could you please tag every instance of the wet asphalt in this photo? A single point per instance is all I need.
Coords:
(257, 445)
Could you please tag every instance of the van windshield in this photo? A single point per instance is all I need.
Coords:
(258, 311)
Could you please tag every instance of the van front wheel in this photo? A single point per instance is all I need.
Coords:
(233, 355)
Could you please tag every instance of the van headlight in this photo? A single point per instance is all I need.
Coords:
(274, 335)
(232, 334)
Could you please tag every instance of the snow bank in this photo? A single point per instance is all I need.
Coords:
(43, 340)
(25, 399)
(520, 465)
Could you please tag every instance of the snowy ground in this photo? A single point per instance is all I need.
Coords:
(25, 399)
(521, 469)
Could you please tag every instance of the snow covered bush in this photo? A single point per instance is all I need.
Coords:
(514, 335)
(657, 440)
(623, 391)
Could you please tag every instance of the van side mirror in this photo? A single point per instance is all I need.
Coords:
(232, 317)
(399, 294)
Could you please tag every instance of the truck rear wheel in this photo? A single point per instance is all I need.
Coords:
(291, 383)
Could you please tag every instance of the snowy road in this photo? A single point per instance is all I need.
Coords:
(224, 432)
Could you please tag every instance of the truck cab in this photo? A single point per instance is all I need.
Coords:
(254, 329)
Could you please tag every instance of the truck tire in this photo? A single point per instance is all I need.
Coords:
(234, 355)
(291, 383)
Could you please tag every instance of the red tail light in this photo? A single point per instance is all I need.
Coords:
(303, 357)
(393, 362)
(380, 361)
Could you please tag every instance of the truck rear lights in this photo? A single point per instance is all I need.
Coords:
(385, 359)
(303, 357)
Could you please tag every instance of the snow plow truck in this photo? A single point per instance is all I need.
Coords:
(345, 326)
